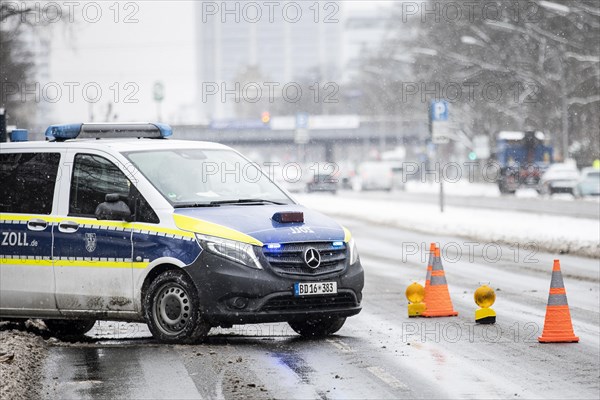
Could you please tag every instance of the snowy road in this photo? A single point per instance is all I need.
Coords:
(526, 200)
(378, 354)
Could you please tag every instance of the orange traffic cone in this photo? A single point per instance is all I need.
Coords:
(557, 325)
(437, 297)
(429, 264)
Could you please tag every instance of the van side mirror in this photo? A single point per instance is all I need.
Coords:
(113, 209)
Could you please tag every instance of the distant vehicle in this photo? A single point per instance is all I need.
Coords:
(589, 183)
(374, 175)
(523, 157)
(396, 159)
(322, 183)
(346, 174)
(398, 177)
(559, 178)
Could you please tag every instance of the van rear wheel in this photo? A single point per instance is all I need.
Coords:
(172, 309)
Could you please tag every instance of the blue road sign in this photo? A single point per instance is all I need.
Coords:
(302, 120)
(439, 111)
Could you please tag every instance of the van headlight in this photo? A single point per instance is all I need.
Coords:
(353, 251)
(241, 253)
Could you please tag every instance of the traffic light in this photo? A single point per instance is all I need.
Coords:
(265, 117)
(472, 156)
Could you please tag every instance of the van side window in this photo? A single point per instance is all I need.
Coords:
(27, 182)
(93, 178)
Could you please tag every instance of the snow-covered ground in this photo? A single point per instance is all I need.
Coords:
(461, 188)
(21, 356)
(551, 233)
(467, 189)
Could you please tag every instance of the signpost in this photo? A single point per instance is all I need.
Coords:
(158, 92)
(439, 113)
(301, 136)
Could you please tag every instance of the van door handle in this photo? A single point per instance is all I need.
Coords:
(36, 224)
(68, 227)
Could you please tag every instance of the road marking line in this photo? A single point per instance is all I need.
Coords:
(340, 345)
(387, 377)
(219, 385)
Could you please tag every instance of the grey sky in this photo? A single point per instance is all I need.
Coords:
(124, 59)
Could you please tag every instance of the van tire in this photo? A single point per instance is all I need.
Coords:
(172, 309)
(69, 327)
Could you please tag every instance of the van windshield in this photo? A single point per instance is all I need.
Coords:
(201, 178)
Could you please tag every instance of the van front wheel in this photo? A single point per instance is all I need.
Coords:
(172, 309)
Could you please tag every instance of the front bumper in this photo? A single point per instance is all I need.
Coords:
(561, 188)
(234, 294)
(321, 187)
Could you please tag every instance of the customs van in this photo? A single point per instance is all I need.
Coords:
(121, 222)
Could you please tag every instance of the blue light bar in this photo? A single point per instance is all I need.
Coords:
(338, 244)
(165, 130)
(109, 131)
(63, 132)
(273, 246)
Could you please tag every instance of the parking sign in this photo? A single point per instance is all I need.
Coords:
(438, 115)
(439, 110)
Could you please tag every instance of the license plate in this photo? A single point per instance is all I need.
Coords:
(308, 289)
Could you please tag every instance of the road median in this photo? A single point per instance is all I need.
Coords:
(554, 234)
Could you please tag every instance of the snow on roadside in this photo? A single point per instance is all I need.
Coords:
(461, 188)
(21, 356)
(554, 234)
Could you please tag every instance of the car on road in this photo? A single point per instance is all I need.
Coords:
(322, 183)
(589, 183)
(374, 175)
(120, 222)
(559, 178)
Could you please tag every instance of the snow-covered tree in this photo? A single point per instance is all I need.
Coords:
(526, 64)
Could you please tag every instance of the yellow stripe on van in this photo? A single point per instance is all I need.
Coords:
(26, 262)
(27, 217)
(208, 228)
(77, 264)
(100, 264)
(347, 235)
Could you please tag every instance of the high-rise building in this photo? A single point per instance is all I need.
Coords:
(279, 42)
(364, 32)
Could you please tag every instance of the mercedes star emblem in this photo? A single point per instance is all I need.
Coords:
(312, 258)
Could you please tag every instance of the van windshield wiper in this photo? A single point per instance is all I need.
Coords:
(244, 201)
(192, 205)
